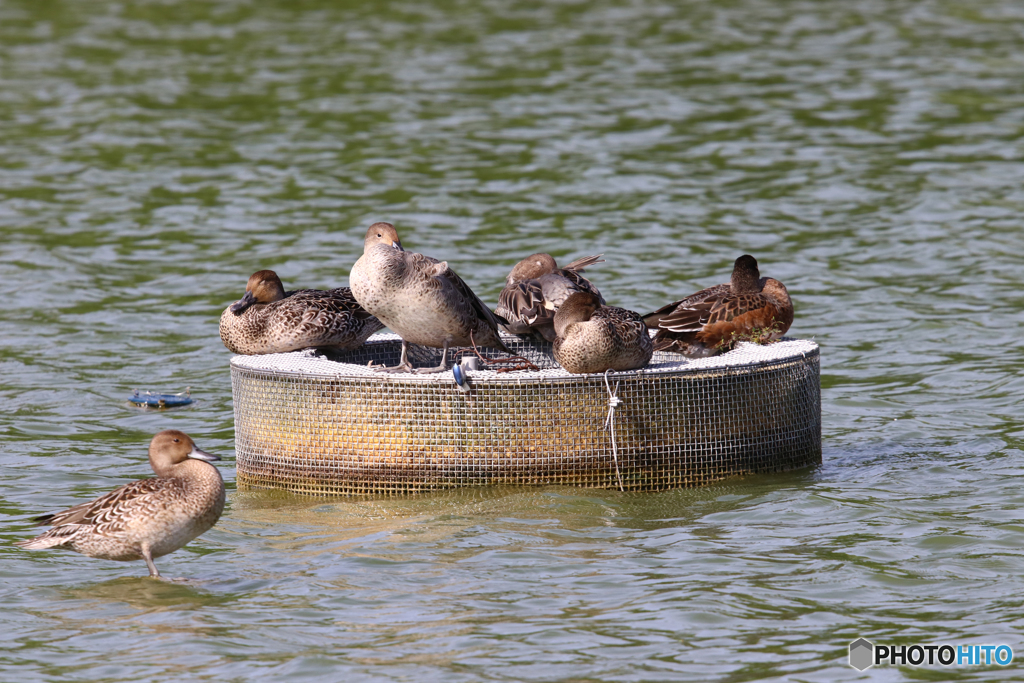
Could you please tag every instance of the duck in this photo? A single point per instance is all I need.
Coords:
(536, 288)
(710, 321)
(592, 337)
(270, 320)
(420, 299)
(147, 518)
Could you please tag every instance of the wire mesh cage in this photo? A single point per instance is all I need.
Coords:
(331, 425)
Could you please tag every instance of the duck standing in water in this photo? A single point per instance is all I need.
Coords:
(707, 322)
(536, 288)
(592, 337)
(147, 518)
(420, 299)
(270, 320)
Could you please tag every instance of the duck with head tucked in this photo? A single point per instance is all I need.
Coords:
(709, 321)
(270, 320)
(147, 518)
(536, 288)
(420, 299)
(592, 337)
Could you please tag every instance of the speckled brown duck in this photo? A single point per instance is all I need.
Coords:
(270, 320)
(709, 321)
(420, 299)
(147, 518)
(536, 288)
(592, 337)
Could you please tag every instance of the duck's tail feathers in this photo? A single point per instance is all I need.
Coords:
(53, 538)
(581, 263)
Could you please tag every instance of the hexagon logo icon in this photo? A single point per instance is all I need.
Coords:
(862, 654)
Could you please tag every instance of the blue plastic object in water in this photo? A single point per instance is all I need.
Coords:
(148, 399)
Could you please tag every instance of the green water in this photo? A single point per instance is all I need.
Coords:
(869, 154)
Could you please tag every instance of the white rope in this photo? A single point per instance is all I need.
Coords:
(609, 423)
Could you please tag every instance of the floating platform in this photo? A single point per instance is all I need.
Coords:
(334, 426)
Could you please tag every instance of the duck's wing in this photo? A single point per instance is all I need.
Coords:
(479, 307)
(573, 273)
(561, 283)
(523, 306)
(731, 307)
(468, 301)
(653, 319)
(740, 316)
(326, 316)
(533, 303)
(711, 310)
(109, 510)
(720, 319)
(628, 325)
(338, 300)
(677, 310)
(343, 298)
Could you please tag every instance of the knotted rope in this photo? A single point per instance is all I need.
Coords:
(609, 423)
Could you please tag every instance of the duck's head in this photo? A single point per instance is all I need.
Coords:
(382, 233)
(170, 447)
(264, 287)
(745, 275)
(531, 267)
(577, 308)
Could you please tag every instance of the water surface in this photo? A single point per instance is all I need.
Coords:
(868, 153)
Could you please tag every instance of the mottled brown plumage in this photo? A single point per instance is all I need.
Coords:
(536, 288)
(147, 518)
(419, 298)
(270, 320)
(707, 322)
(592, 337)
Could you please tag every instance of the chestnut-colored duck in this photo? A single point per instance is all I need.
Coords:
(709, 321)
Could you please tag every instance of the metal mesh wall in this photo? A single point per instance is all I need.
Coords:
(313, 425)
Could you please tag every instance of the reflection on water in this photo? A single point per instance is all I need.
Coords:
(150, 595)
(868, 154)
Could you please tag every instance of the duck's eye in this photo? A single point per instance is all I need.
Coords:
(379, 235)
(177, 440)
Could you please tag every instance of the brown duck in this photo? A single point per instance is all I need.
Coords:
(592, 337)
(707, 322)
(536, 288)
(270, 320)
(419, 298)
(147, 518)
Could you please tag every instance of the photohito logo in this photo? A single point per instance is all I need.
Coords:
(863, 653)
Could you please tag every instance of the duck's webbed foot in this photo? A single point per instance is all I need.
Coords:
(442, 367)
(403, 365)
(407, 367)
(430, 371)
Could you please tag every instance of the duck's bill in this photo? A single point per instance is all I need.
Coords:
(202, 455)
(245, 302)
(397, 245)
